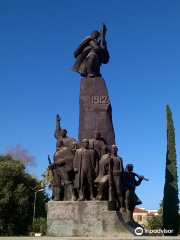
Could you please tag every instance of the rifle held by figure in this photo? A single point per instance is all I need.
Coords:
(139, 176)
(111, 190)
(49, 160)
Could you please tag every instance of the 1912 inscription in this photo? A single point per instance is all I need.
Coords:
(99, 100)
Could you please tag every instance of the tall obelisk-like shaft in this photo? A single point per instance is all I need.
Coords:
(95, 111)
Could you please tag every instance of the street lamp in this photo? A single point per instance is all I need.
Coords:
(40, 190)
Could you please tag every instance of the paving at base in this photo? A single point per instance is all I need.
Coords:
(90, 238)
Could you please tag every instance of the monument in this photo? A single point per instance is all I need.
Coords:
(94, 195)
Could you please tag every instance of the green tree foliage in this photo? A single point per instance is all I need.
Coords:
(17, 190)
(48, 180)
(155, 222)
(171, 201)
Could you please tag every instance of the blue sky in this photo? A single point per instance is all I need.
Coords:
(38, 38)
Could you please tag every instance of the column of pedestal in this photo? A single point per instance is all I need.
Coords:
(95, 112)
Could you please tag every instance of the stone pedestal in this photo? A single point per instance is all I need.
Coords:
(95, 112)
(86, 219)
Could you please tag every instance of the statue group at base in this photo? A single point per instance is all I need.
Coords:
(99, 195)
(93, 173)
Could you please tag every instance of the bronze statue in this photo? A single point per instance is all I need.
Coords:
(117, 176)
(102, 180)
(91, 54)
(98, 144)
(75, 146)
(67, 141)
(62, 134)
(57, 133)
(52, 180)
(57, 180)
(129, 185)
(63, 162)
(86, 165)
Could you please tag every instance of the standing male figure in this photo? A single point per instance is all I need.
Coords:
(86, 165)
(129, 185)
(118, 171)
(75, 146)
(56, 175)
(63, 161)
(98, 144)
(103, 177)
(67, 141)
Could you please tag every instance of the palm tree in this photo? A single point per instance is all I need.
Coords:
(48, 180)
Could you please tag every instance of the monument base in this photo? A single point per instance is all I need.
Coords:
(87, 219)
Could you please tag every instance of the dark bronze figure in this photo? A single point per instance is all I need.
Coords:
(103, 177)
(57, 180)
(57, 133)
(102, 180)
(67, 141)
(63, 162)
(111, 190)
(91, 54)
(62, 134)
(52, 181)
(98, 144)
(86, 165)
(75, 146)
(129, 185)
(118, 175)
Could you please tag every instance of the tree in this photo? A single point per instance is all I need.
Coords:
(23, 155)
(170, 200)
(48, 180)
(17, 190)
(39, 225)
(156, 221)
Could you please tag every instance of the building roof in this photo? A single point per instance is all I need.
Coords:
(139, 210)
(151, 214)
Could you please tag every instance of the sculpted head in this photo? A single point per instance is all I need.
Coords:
(63, 132)
(97, 135)
(114, 149)
(106, 150)
(95, 34)
(75, 146)
(59, 144)
(129, 167)
(85, 143)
